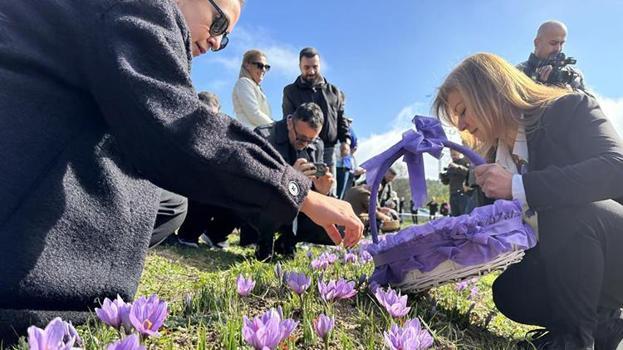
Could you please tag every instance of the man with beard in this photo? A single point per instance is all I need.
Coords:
(550, 39)
(311, 86)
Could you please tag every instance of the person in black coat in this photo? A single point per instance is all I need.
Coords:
(556, 153)
(99, 115)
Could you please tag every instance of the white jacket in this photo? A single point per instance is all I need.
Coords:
(250, 104)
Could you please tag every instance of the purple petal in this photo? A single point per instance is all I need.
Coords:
(128, 343)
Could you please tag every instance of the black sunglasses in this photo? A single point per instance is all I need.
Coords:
(261, 65)
(219, 26)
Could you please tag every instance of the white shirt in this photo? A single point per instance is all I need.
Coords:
(504, 158)
(250, 104)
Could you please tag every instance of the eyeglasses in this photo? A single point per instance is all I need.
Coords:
(301, 139)
(219, 26)
(261, 65)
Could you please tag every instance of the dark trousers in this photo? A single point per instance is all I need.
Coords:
(572, 273)
(171, 214)
(216, 222)
(458, 201)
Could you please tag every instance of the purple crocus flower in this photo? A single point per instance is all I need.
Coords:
(128, 343)
(365, 256)
(147, 315)
(115, 313)
(331, 258)
(298, 282)
(267, 331)
(409, 337)
(461, 285)
(395, 304)
(323, 325)
(473, 293)
(244, 285)
(350, 258)
(319, 264)
(57, 335)
(340, 289)
(310, 255)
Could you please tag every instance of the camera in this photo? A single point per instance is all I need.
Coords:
(321, 169)
(559, 74)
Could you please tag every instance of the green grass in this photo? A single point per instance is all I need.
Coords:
(206, 313)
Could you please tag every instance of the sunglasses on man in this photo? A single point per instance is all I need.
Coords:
(261, 65)
(219, 26)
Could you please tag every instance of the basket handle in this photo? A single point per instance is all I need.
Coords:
(428, 137)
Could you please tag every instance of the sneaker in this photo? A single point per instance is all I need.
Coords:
(609, 335)
(543, 339)
(187, 243)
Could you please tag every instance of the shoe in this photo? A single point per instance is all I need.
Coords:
(264, 252)
(285, 247)
(543, 339)
(187, 243)
(609, 335)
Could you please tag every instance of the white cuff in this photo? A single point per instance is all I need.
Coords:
(519, 193)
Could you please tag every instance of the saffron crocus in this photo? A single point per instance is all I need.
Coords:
(298, 282)
(267, 331)
(350, 258)
(128, 343)
(57, 335)
(319, 264)
(323, 326)
(395, 304)
(461, 285)
(244, 285)
(147, 315)
(409, 337)
(115, 313)
(340, 289)
(365, 256)
(473, 293)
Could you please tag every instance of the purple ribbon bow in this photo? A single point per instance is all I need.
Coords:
(428, 137)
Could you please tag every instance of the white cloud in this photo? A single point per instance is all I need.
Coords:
(377, 143)
(613, 109)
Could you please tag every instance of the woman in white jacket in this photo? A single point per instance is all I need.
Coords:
(250, 103)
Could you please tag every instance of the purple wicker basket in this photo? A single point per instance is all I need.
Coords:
(447, 249)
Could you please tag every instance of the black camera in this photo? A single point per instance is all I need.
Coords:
(321, 169)
(560, 74)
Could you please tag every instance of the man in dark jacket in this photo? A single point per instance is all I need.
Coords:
(296, 139)
(311, 86)
(457, 172)
(550, 39)
(101, 114)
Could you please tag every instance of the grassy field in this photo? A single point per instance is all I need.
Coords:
(205, 311)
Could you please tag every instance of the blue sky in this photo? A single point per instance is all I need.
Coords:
(389, 56)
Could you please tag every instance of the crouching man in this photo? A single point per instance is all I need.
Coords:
(296, 139)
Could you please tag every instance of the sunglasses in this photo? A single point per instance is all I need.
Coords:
(219, 26)
(260, 65)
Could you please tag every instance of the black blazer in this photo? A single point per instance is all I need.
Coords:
(576, 156)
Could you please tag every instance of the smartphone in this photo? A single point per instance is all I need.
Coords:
(321, 169)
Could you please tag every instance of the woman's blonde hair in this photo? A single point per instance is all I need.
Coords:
(498, 94)
(250, 56)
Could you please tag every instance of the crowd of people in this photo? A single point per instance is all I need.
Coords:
(110, 150)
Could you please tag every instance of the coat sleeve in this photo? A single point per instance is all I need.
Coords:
(138, 71)
(287, 106)
(594, 144)
(250, 104)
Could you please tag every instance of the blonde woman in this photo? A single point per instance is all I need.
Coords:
(556, 153)
(250, 103)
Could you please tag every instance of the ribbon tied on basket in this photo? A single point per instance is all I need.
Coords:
(428, 137)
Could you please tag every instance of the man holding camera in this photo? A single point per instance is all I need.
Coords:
(296, 139)
(548, 65)
(455, 177)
